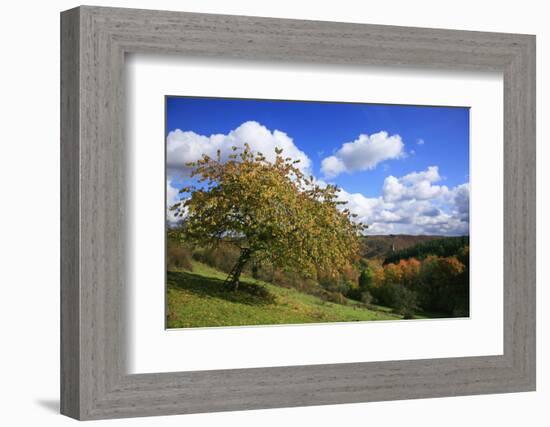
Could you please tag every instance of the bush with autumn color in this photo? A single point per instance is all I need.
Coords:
(443, 286)
(435, 284)
(178, 257)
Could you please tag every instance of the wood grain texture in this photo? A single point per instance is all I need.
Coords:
(94, 381)
(70, 297)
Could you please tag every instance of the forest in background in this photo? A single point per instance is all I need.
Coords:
(397, 276)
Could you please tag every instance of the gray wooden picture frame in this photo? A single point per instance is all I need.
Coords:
(94, 382)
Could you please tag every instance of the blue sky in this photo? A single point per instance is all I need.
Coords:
(398, 161)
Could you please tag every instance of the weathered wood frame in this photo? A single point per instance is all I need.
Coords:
(94, 41)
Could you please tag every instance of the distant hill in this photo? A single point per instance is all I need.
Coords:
(381, 246)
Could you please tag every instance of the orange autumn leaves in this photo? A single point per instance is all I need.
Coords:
(409, 272)
(434, 284)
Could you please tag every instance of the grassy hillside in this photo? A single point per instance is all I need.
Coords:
(381, 246)
(199, 298)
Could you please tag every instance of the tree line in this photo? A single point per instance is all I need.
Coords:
(444, 247)
(435, 284)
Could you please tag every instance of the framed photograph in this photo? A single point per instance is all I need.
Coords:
(262, 213)
(265, 228)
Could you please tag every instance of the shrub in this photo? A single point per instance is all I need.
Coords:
(330, 296)
(408, 315)
(263, 272)
(223, 257)
(366, 278)
(405, 301)
(366, 298)
(178, 257)
(438, 284)
(337, 284)
(444, 286)
(402, 300)
(360, 295)
(354, 294)
(279, 277)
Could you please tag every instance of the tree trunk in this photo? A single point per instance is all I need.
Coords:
(235, 274)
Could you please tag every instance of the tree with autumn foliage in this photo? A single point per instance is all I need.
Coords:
(271, 211)
(410, 269)
(434, 284)
(444, 285)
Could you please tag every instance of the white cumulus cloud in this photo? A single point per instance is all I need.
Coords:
(416, 185)
(363, 154)
(461, 200)
(171, 193)
(413, 204)
(186, 146)
(172, 196)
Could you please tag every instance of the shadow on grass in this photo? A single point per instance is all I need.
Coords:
(247, 293)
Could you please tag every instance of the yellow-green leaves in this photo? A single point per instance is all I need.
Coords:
(283, 217)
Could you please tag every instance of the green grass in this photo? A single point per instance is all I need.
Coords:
(200, 299)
